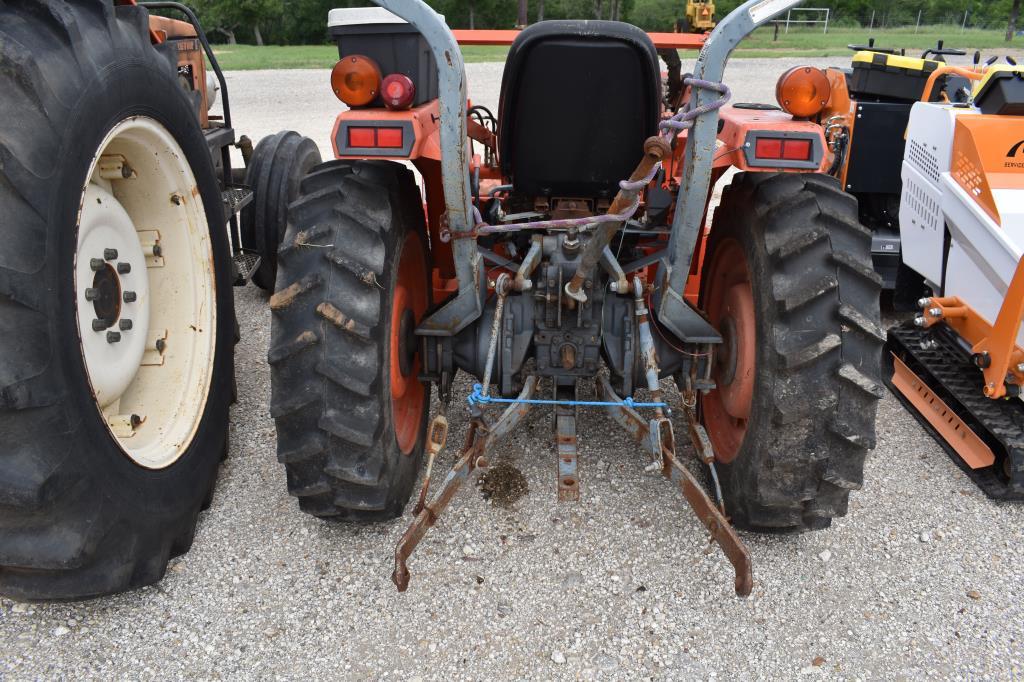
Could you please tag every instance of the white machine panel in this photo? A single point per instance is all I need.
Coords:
(922, 225)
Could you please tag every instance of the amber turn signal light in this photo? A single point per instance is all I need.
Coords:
(356, 80)
(803, 91)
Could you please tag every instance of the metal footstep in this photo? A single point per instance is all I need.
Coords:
(246, 263)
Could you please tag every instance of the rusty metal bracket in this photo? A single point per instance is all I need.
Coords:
(567, 449)
(479, 441)
(709, 514)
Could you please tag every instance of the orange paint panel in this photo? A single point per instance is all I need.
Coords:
(953, 430)
(983, 158)
(424, 121)
(679, 41)
(737, 123)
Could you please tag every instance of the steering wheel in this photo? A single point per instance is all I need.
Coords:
(870, 47)
(941, 51)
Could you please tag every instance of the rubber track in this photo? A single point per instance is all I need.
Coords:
(948, 371)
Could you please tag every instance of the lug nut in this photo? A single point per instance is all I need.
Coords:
(113, 337)
(923, 302)
(92, 294)
(935, 312)
(124, 268)
(99, 325)
(129, 297)
(125, 325)
(109, 254)
(96, 264)
(1020, 367)
(918, 321)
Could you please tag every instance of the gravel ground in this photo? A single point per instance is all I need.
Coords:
(922, 578)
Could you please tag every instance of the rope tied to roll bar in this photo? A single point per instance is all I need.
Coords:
(683, 120)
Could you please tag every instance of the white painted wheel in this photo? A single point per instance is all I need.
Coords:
(145, 294)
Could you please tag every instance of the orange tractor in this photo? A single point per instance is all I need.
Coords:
(563, 234)
(556, 250)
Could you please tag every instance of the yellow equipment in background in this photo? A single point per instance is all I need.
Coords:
(700, 16)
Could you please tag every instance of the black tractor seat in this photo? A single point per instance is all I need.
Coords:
(578, 99)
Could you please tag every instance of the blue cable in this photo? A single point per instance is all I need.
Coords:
(477, 397)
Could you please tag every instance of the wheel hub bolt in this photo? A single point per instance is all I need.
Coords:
(135, 421)
(109, 254)
(96, 264)
(157, 250)
(124, 268)
(92, 294)
(160, 345)
(99, 325)
(113, 337)
(129, 297)
(125, 325)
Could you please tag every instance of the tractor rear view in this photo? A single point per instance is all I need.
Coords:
(557, 251)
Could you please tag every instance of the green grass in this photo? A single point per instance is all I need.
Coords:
(812, 43)
(799, 43)
(250, 57)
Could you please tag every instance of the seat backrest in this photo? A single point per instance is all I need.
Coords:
(578, 99)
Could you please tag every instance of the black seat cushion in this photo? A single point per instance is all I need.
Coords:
(578, 99)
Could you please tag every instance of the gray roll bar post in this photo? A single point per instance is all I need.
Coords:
(466, 307)
(673, 311)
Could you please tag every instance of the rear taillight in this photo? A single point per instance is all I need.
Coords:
(362, 137)
(398, 91)
(779, 149)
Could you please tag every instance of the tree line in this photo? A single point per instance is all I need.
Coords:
(303, 22)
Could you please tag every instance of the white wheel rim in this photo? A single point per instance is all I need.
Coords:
(145, 295)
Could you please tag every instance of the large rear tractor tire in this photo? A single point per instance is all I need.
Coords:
(275, 171)
(788, 282)
(116, 307)
(353, 283)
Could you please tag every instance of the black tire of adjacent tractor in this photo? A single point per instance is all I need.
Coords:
(77, 517)
(278, 165)
(818, 351)
(330, 352)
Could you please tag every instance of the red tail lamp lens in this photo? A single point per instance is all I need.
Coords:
(356, 80)
(796, 150)
(362, 137)
(768, 148)
(783, 150)
(398, 91)
(390, 138)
